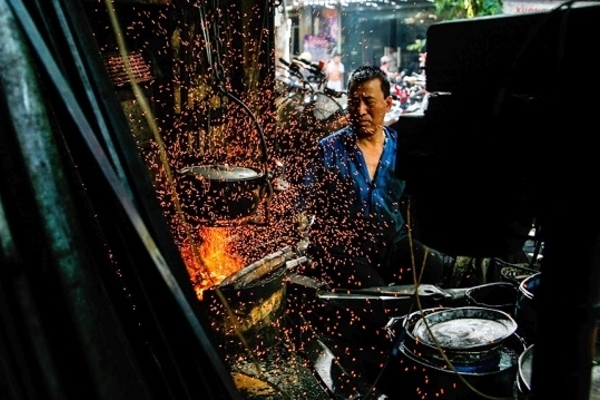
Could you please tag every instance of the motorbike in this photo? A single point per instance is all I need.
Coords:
(306, 112)
(410, 92)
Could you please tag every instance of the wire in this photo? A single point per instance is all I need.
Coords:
(205, 35)
(218, 71)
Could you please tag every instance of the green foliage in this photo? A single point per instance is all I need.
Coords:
(417, 46)
(459, 9)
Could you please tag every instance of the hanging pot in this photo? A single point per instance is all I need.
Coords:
(218, 194)
(222, 195)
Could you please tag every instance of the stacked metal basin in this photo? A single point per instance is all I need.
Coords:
(461, 366)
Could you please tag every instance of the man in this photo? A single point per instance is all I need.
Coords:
(384, 64)
(335, 73)
(359, 237)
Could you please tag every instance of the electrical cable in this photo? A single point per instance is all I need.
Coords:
(218, 75)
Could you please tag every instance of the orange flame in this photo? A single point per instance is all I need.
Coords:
(215, 263)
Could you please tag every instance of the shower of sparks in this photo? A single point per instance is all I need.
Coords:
(200, 125)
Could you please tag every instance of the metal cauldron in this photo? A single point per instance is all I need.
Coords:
(217, 194)
(253, 311)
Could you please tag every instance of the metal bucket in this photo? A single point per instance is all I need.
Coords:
(526, 308)
(420, 379)
(523, 382)
(253, 312)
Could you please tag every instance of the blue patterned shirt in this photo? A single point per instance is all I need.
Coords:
(354, 214)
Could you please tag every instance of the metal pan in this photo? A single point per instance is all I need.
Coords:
(465, 328)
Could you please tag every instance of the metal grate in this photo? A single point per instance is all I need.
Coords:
(118, 72)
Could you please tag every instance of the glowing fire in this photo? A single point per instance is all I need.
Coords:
(212, 261)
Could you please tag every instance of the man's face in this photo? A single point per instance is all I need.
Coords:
(367, 107)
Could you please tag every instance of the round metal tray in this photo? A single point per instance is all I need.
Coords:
(465, 328)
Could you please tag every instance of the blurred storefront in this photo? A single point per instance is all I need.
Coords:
(362, 31)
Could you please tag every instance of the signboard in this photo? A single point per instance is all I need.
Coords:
(520, 7)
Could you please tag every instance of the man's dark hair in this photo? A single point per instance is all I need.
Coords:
(366, 73)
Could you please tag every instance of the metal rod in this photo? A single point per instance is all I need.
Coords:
(280, 255)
